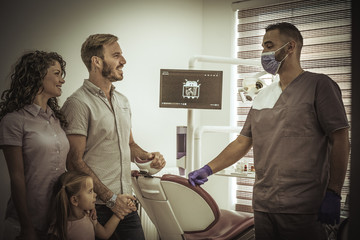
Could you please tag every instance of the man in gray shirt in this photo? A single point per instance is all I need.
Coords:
(99, 132)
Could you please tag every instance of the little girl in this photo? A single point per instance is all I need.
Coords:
(74, 198)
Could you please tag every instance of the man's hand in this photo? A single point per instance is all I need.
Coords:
(122, 206)
(329, 212)
(158, 161)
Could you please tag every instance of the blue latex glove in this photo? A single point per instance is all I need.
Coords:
(199, 176)
(329, 212)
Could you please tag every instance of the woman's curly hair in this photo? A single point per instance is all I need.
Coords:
(27, 78)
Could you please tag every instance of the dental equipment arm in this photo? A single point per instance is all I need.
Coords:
(231, 154)
(190, 118)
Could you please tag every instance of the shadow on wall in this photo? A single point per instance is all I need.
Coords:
(4, 189)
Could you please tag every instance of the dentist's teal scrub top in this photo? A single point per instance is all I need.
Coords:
(290, 134)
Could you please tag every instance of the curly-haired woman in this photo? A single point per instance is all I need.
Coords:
(33, 141)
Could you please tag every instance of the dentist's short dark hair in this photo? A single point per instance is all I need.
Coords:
(289, 30)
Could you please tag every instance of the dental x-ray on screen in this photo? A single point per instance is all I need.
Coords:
(201, 89)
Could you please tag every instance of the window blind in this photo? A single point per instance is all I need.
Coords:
(326, 29)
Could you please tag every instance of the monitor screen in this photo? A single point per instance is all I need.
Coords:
(190, 89)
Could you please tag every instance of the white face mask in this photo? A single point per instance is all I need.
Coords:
(269, 63)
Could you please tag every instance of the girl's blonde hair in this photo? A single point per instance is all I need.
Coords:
(69, 184)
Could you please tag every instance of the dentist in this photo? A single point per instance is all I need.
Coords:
(300, 137)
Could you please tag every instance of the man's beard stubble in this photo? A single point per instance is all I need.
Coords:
(106, 73)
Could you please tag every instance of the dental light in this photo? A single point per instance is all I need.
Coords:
(252, 85)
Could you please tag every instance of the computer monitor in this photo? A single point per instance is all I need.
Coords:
(198, 89)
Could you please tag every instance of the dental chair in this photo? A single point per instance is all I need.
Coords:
(180, 211)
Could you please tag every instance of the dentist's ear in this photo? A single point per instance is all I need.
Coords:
(291, 46)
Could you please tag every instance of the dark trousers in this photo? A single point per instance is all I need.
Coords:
(281, 226)
(128, 229)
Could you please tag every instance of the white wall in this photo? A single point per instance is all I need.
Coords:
(153, 34)
(219, 40)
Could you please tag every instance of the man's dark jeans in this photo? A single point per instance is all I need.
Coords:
(128, 229)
